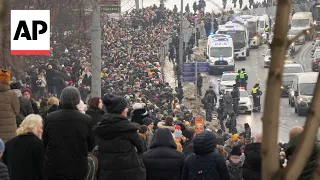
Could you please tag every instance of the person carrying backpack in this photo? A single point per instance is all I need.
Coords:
(235, 163)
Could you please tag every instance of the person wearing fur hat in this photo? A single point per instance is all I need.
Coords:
(9, 107)
(66, 158)
(139, 112)
(119, 143)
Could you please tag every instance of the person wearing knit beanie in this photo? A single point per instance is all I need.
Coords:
(70, 97)
(75, 128)
(177, 132)
(4, 77)
(115, 104)
(204, 143)
(147, 121)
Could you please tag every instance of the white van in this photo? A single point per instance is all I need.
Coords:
(264, 21)
(301, 91)
(240, 37)
(220, 52)
(301, 21)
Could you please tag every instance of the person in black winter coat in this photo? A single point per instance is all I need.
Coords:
(163, 161)
(119, 143)
(50, 78)
(205, 163)
(26, 92)
(67, 139)
(96, 113)
(251, 169)
(187, 137)
(24, 154)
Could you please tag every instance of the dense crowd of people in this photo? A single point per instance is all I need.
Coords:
(137, 128)
(56, 145)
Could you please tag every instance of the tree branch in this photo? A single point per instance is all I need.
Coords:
(307, 141)
(2, 30)
(310, 30)
(269, 148)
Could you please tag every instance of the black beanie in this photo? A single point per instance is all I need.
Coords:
(147, 121)
(204, 143)
(114, 104)
(236, 150)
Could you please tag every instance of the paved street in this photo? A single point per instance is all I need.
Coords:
(258, 74)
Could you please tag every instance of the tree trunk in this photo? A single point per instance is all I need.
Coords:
(269, 149)
(3, 44)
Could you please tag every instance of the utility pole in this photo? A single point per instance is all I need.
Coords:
(137, 4)
(195, 37)
(180, 47)
(96, 50)
(141, 3)
(212, 22)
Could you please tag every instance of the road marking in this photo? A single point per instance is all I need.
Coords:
(302, 58)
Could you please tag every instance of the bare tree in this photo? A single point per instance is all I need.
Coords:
(269, 151)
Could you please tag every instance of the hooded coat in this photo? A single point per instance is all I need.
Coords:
(206, 160)
(119, 147)
(311, 163)
(163, 161)
(251, 169)
(9, 108)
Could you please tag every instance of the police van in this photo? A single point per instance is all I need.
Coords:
(240, 38)
(220, 52)
(301, 91)
(255, 36)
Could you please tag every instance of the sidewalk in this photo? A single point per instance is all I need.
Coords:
(168, 75)
(189, 89)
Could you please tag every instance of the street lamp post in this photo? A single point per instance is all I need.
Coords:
(96, 50)
(180, 48)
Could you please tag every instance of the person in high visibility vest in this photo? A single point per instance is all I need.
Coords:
(256, 93)
(243, 78)
(266, 30)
